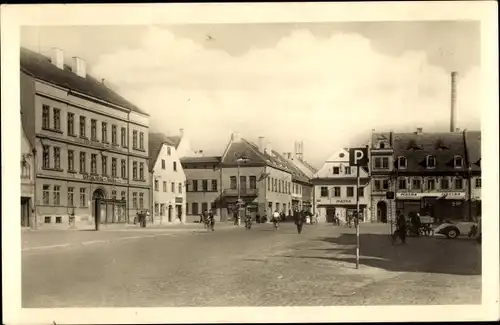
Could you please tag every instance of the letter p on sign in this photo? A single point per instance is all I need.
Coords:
(358, 157)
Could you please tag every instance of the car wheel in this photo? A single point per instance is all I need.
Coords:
(452, 233)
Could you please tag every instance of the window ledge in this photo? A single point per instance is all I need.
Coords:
(72, 171)
(52, 169)
(52, 130)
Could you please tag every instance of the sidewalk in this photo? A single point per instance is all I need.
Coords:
(58, 237)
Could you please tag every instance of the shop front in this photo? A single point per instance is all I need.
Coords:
(439, 205)
(343, 209)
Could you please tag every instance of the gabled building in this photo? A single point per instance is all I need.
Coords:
(168, 180)
(473, 151)
(27, 181)
(431, 173)
(335, 188)
(91, 143)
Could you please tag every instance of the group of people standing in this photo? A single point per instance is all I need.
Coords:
(403, 224)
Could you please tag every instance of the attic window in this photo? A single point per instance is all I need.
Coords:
(381, 145)
(402, 162)
(458, 162)
(430, 161)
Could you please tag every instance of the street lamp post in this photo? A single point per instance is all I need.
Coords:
(470, 193)
(239, 160)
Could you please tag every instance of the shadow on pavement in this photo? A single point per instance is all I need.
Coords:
(424, 254)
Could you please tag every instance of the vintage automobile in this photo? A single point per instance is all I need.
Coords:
(455, 229)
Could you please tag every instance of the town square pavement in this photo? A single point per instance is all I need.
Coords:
(239, 267)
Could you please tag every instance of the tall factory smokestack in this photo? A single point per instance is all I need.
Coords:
(453, 117)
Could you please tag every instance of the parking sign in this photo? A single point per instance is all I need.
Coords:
(358, 157)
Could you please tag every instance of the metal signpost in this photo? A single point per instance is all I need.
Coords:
(358, 157)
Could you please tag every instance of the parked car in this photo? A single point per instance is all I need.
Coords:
(455, 229)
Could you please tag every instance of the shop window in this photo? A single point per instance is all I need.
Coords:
(58, 219)
(47, 220)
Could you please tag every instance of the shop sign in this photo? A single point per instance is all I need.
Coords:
(344, 201)
(419, 195)
(98, 178)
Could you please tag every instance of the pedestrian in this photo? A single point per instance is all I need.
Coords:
(211, 219)
(400, 228)
(299, 220)
(257, 217)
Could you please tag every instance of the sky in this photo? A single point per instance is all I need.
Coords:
(326, 84)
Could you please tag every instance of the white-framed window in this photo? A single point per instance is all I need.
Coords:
(347, 170)
(336, 191)
(45, 117)
(402, 162)
(134, 170)
(57, 119)
(46, 157)
(57, 158)
(141, 200)
(336, 170)
(478, 182)
(164, 186)
(83, 197)
(141, 171)
(134, 200)
(141, 140)
(46, 194)
(402, 184)
(430, 161)
(57, 195)
(458, 161)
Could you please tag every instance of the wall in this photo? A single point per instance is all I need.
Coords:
(168, 175)
(200, 173)
(275, 197)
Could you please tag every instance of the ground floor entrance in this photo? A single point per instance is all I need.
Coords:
(332, 213)
(439, 209)
(25, 211)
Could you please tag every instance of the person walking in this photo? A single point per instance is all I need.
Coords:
(299, 220)
(211, 220)
(400, 228)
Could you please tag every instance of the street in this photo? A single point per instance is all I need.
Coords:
(258, 267)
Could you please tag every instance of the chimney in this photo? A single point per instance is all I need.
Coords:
(261, 144)
(79, 67)
(453, 116)
(269, 149)
(57, 58)
(419, 131)
(289, 155)
(181, 132)
(235, 137)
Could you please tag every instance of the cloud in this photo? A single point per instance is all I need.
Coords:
(328, 92)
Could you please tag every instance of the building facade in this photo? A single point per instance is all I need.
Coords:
(91, 144)
(335, 189)
(168, 180)
(27, 181)
(382, 180)
(473, 146)
(431, 174)
(203, 186)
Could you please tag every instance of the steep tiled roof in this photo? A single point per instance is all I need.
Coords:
(174, 141)
(214, 159)
(156, 141)
(309, 166)
(297, 174)
(473, 144)
(41, 68)
(416, 147)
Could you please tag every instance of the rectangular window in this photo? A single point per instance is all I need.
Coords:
(123, 170)
(194, 209)
(164, 186)
(350, 191)
(134, 139)
(57, 119)
(93, 163)
(157, 185)
(83, 126)
(47, 220)
(57, 195)
(141, 200)
(141, 140)
(431, 162)
(214, 185)
(113, 194)
(141, 171)
(385, 184)
(416, 184)
(172, 187)
(134, 200)
(93, 130)
(195, 185)
(205, 185)
(459, 183)
(385, 162)
(268, 184)
(361, 191)
(478, 182)
(402, 184)
(46, 194)
(376, 184)
(113, 167)
(57, 158)
(114, 138)
(180, 188)
(58, 219)
(71, 124)
(232, 182)
(45, 117)
(253, 182)
(336, 191)
(163, 164)
(83, 162)
(134, 170)
(445, 184)
(204, 207)
(83, 197)
(123, 137)
(175, 166)
(123, 195)
(104, 165)
(104, 132)
(336, 170)
(169, 151)
(347, 170)
(46, 157)
(243, 182)
(431, 184)
(71, 196)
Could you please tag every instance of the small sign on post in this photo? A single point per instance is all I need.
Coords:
(358, 157)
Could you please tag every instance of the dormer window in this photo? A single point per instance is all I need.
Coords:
(402, 162)
(430, 162)
(381, 145)
(458, 162)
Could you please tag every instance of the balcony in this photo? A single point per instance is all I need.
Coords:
(244, 192)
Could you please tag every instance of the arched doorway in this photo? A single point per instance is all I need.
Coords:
(382, 212)
(98, 205)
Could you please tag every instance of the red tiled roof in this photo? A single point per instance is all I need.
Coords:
(416, 147)
(473, 144)
(41, 68)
